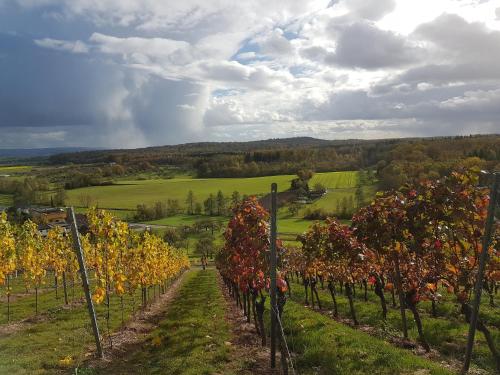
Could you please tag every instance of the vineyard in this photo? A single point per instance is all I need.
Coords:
(122, 266)
(419, 245)
(391, 293)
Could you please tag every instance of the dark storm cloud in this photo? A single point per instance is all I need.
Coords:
(41, 87)
(133, 73)
(363, 45)
(58, 91)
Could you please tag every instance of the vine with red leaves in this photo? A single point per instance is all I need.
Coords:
(243, 262)
(412, 240)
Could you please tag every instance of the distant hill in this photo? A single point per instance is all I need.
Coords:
(204, 147)
(38, 152)
(200, 149)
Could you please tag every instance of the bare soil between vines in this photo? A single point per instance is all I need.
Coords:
(246, 342)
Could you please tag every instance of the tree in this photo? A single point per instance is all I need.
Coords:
(205, 246)
(85, 200)
(305, 174)
(197, 208)
(8, 256)
(235, 199)
(190, 201)
(301, 183)
(174, 237)
(313, 243)
(319, 188)
(221, 203)
(173, 207)
(294, 208)
(360, 198)
(209, 204)
(159, 210)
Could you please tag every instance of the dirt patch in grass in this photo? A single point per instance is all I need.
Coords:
(246, 343)
(17, 326)
(11, 328)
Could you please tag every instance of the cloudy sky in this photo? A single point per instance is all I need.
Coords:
(131, 73)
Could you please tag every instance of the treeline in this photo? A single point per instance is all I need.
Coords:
(32, 191)
(214, 205)
(429, 159)
(77, 176)
(396, 160)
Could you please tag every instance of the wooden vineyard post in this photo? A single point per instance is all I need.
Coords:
(85, 281)
(272, 263)
(480, 273)
(8, 298)
(402, 304)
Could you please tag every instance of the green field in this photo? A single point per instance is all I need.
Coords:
(336, 180)
(329, 201)
(5, 200)
(128, 194)
(8, 169)
(293, 225)
(180, 220)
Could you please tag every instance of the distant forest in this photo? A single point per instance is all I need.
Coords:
(396, 160)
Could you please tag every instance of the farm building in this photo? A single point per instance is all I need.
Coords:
(48, 215)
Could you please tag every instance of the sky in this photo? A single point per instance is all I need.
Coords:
(134, 73)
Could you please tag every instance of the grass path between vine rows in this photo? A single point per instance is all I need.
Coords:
(194, 336)
(446, 334)
(322, 346)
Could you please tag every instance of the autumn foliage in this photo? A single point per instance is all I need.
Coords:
(414, 241)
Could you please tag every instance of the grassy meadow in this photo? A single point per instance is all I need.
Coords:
(128, 194)
(5, 200)
(123, 197)
(11, 169)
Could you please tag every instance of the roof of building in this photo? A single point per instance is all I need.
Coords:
(48, 210)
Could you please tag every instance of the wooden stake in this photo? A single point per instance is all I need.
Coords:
(77, 246)
(272, 272)
(480, 273)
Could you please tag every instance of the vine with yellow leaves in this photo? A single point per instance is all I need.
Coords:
(119, 261)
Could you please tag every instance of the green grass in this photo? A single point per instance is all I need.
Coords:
(180, 220)
(128, 194)
(323, 346)
(23, 306)
(5, 200)
(9, 169)
(58, 333)
(190, 339)
(336, 180)
(447, 333)
(329, 202)
(293, 225)
(121, 214)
